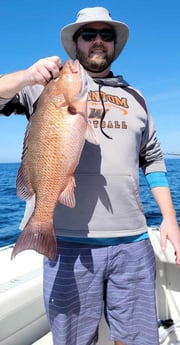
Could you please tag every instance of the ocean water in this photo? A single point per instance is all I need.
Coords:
(12, 208)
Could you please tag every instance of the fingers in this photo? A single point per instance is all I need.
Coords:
(163, 241)
(177, 255)
(50, 66)
(173, 235)
(177, 258)
(44, 70)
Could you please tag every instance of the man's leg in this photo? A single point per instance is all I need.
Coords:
(73, 293)
(130, 302)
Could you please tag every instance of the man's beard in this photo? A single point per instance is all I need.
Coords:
(94, 64)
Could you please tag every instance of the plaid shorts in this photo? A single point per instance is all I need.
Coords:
(86, 279)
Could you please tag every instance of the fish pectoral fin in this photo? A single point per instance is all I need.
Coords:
(24, 188)
(67, 197)
(91, 135)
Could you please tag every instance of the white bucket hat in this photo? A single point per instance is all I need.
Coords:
(90, 15)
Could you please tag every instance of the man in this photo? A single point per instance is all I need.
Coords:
(103, 247)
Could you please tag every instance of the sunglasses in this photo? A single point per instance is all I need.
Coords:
(107, 35)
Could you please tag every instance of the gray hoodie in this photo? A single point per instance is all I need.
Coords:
(107, 178)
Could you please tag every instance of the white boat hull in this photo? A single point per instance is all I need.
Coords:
(22, 315)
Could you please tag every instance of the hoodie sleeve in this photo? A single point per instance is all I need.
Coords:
(24, 102)
(151, 156)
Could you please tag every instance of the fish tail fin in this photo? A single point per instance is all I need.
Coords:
(39, 237)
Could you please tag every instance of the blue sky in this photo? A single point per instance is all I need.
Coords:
(150, 61)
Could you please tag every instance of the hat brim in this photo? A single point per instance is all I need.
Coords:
(66, 36)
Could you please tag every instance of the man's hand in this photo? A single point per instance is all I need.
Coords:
(39, 73)
(43, 70)
(169, 230)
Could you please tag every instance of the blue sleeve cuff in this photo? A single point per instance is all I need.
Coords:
(157, 179)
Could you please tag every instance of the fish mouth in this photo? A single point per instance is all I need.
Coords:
(84, 85)
(76, 67)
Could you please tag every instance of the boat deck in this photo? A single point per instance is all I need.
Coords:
(45, 340)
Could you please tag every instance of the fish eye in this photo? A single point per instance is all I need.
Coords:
(72, 110)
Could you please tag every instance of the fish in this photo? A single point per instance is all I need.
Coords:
(52, 147)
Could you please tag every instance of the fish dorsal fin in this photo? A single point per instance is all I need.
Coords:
(91, 135)
(67, 197)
